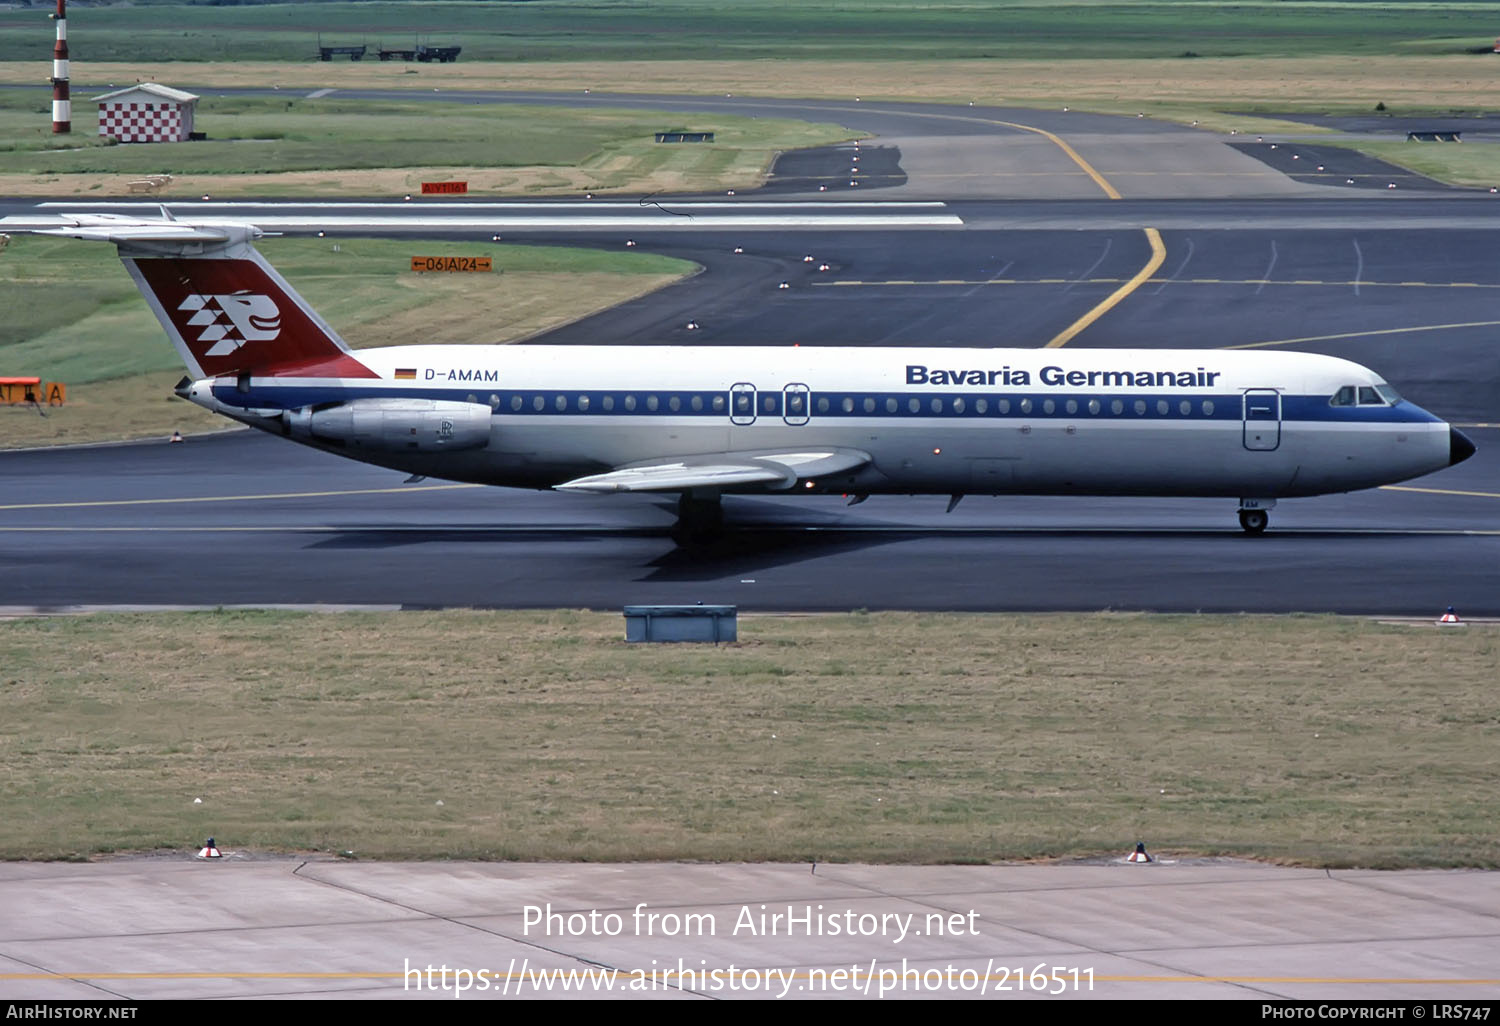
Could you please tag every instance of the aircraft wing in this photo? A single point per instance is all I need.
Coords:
(776, 470)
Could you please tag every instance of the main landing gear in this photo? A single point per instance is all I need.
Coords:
(698, 520)
(1255, 514)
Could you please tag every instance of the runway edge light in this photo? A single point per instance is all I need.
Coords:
(1139, 855)
(1450, 617)
(209, 851)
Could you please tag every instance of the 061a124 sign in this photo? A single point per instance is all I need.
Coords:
(451, 263)
(444, 188)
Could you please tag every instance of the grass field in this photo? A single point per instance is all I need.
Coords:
(866, 30)
(883, 737)
(272, 145)
(73, 315)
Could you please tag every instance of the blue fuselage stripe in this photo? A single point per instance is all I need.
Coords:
(718, 404)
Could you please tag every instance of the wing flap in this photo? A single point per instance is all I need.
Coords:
(775, 470)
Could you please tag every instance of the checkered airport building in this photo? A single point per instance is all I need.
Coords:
(146, 113)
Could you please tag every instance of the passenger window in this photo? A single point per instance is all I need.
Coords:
(1161, 407)
(1071, 406)
(981, 405)
(630, 402)
(651, 403)
(1343, 397)
(697, 403)
(1003, 406)
(770, 404)
(1095, 406)
(741, 402)
(890, 406)
(718, 404)
(869, 405)
(1140, 407)
(958, 405)
(914, 405)
(1025, 405)
(608, 402)
(515, 403)
(583, 403)
(537, 402)
(561, 403)
(1185, 408)
(674, 403)
(822, 404)
(1116, 407)
(1048, 406)
(937, 405)
(1208, 407)
(847, 405)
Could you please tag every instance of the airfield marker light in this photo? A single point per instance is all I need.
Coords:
(1390, 185)
(1493, 189)
(807, 259)
(1139, 855)
(177, 437)
(731, 192)
(824, 188)
(785, 285)
(407, 197)
(822, 267)
(1450, 617)
(208, 851)
(739, 249)
(629, 243)
(205, 197)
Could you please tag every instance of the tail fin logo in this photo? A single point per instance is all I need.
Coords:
(252, 318)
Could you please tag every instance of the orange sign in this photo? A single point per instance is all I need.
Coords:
(32, 390)
(444, 188)
(451, 263)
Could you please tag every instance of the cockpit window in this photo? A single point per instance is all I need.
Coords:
(1389, 394)
(1367, 397)
(1343, 397)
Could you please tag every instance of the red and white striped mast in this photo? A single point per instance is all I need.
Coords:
(62, 108)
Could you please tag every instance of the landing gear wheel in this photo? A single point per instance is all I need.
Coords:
(698, 520)
(1254, 521)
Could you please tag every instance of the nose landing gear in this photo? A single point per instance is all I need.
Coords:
(1254, 521)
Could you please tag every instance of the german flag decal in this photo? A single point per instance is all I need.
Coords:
(406, 373)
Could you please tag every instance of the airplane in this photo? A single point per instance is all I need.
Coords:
(702, 422)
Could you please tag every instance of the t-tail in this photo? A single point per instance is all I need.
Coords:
(225, 308)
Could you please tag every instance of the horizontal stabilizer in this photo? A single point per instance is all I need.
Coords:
(125, 230)
(776, 471)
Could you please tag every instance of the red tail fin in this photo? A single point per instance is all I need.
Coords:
(231, 314)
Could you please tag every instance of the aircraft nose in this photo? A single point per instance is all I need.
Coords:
(1459, 446)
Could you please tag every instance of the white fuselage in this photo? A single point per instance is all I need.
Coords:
(950, 421)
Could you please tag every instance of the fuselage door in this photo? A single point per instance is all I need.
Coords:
(1262, 419)
(794, 406)
(742, 403)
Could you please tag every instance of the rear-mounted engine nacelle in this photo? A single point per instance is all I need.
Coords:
(394, 425)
